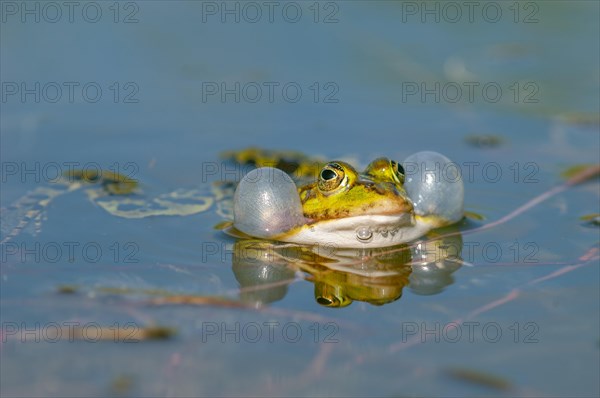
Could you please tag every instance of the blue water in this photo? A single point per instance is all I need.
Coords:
(156, 117)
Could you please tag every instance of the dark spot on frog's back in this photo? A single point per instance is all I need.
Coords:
(288, 166)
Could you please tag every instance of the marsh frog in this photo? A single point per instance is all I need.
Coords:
(386, 204)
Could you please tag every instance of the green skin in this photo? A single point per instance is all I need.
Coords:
(342, 192)
(342, 200)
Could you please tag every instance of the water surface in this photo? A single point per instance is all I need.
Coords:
(529, 286)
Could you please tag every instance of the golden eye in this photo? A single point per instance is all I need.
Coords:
(331, 177)
(398, 171)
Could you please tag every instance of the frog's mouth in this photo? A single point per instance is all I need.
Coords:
(364, 231)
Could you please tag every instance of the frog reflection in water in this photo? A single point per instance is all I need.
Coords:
(378, 276)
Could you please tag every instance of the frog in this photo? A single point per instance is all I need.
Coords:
(344, 207)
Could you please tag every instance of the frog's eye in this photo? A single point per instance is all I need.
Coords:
(331, 177)
(398, 171)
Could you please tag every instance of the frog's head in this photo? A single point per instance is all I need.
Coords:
(342, 208)
(340, 193)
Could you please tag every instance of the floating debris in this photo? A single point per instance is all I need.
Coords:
(479, 378)
(28, 212)
(113, 183)
(129, 290)
(591, 219)
(584, 119)
(474, 216)
(66, 289)
(122, 384)
(199, 300)
(157, 333)
(575, 170)
(485, 141)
